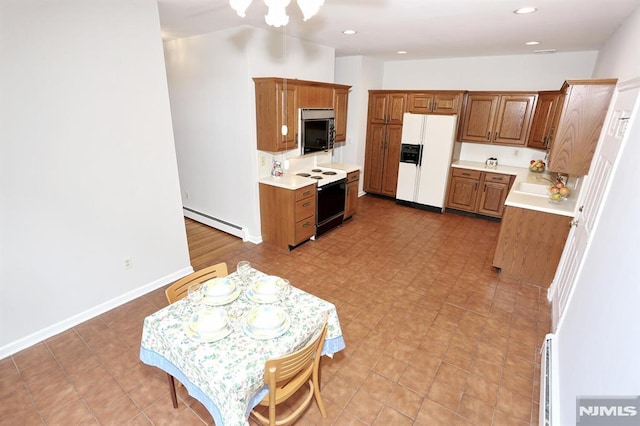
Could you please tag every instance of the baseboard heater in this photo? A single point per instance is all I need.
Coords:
(548, 415)
(214, 222)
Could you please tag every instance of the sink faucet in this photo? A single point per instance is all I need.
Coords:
(562, 177)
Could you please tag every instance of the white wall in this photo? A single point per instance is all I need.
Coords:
(362, 74)
(598, 337)
(619, 56)
(517, 72)
(213, 110)
(88, 171)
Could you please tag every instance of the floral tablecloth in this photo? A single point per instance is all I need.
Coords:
(227, 376)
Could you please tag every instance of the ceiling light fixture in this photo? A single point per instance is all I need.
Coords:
(524, 10)
(401, 52)
(545, 51)
(277, 13)
(349, 32)
(532, 43)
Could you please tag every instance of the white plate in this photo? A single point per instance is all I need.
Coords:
(216, 301)
(265, 333)
(266, 317)
(256, 296)
(221, 287)
(268, 286)
(207, 339)
(208, 325)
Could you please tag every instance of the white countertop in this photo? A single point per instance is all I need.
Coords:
(341, 166)
(288, 181)
(293, 181)
(528, 201)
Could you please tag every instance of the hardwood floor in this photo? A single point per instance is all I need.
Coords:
(206, 243)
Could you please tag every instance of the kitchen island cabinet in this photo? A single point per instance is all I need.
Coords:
(497, 118)
(530, 244)
(287, 216)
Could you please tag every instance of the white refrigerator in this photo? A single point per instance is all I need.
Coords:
(422, 178)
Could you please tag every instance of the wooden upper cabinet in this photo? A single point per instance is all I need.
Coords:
(340, 102)
(278, 101)
(542, 129)
(386, 108)
(479, 117)
(515, 113)
(434, 102)
(315, 96)
(500, 118)
(579, 125)
(276, 104)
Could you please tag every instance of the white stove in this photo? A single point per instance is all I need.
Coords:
(323, 175)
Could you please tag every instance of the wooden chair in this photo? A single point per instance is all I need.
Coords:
(178, 290)
(287, 374)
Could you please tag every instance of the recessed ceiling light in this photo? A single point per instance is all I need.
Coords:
(545, 51)
(525, 10)
(532, 43)
(349, 32)
(401, 52)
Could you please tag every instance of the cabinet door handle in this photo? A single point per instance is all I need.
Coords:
(306, 193)
(475, 186)
(496, 137)
(307, 204)
(465, 174)
(488, 136)
(485, 188)
(304, 225)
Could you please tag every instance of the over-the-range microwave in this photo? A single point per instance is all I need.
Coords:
(316, 132)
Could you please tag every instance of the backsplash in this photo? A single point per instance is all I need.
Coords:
(290, 160)
(506, 155)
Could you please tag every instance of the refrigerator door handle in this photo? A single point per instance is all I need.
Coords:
(420, 156)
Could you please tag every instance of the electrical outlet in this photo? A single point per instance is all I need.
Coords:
(515, 152)
(186, 195)
(127, 262)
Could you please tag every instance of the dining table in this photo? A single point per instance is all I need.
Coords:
(227, 374)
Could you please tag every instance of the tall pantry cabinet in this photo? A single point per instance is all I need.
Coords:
(384, 132)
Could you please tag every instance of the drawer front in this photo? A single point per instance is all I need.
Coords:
(305, 229)
(497, 177)
(305, 192)
(467, 173)
(305, 207)
(353, 176)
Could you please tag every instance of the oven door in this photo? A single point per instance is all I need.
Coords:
(330, 206)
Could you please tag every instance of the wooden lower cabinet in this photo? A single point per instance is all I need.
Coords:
(530, 244)
(463, 189)
(382, 159)
(287, 217)
(478, 192)
(351, 199)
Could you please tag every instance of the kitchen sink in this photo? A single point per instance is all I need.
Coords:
(532, 188)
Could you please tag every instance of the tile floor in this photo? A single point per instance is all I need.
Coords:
(434, 335)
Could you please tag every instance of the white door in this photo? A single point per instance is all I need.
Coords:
(595, 188)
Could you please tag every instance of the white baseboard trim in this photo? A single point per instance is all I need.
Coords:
(43, 334)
